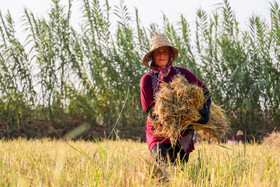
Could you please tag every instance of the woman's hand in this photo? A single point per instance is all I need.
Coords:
(150, 119)
(205, 112)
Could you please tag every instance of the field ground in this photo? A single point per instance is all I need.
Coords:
(47, 162)
(45, 129)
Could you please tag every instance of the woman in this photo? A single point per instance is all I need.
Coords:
(160, 60)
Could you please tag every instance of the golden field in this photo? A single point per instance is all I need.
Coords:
(49, 162)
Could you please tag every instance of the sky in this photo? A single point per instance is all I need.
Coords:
(150, 11)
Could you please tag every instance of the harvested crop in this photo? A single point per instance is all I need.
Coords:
(177, 106)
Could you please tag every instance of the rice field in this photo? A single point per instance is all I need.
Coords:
(47, 162)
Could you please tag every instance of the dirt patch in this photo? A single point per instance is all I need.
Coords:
(45, 129)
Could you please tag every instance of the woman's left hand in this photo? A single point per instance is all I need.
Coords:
(205, 112)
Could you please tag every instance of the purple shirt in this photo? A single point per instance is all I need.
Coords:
(147, 101)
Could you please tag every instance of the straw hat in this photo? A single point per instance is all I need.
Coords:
(239, 133)
(157, 41)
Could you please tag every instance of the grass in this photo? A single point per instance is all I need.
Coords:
(48, 162)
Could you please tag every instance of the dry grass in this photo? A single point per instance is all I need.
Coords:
(126, 163)
(273, 139)
(177, 106)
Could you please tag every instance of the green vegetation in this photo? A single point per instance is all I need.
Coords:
(60, 77)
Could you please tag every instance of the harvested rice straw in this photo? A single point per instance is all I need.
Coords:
(177, 105)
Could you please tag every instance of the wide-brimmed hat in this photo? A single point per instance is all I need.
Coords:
(157, 41)
(239, 133)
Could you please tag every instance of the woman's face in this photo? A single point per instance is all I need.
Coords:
(161, 56)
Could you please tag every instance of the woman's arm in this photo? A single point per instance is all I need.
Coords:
(205, 112)
(147, 99)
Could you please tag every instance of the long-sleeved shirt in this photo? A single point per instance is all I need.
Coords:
(147, 99)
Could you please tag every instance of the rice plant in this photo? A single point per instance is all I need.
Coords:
(48, 162)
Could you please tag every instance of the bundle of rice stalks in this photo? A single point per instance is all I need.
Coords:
(177, 106)
(272, 140)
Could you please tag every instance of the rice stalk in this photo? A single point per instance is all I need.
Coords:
(177, 106)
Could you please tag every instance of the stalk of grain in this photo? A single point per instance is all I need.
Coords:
(177, 106)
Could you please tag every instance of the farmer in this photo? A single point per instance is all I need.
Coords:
(160, 60)
(240, 136)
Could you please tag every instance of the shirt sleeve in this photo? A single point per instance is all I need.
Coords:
(147, 99)
(191, 77)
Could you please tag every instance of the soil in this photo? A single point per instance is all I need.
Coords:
(43, 129)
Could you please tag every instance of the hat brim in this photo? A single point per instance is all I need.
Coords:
(148, 57)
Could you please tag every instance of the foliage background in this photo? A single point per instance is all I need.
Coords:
(59, 77)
